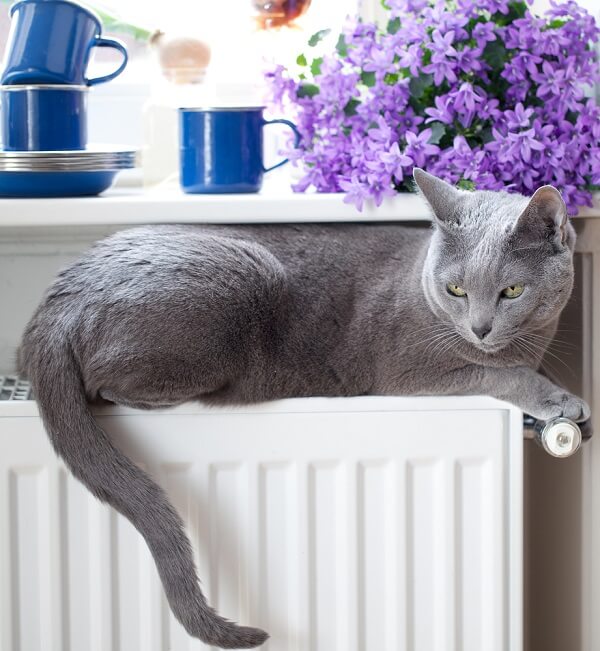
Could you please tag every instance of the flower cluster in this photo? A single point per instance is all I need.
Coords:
(484, 94)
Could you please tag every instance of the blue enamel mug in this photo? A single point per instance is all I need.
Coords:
(50, 42)
(221, 149)
(43, 118)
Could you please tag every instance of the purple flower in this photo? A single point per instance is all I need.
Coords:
(443, 111)
(381, 131)
(380, 60)
(418, 147)
(559, 81)
(410, 57)
(456, 88)
(442, 70)
(356, 191)
(442, 66)
(469, 60)
(441, 45)
(393, 162)
(519, 118)
(379, 188)
(466, 99)
(518, 145)
(484, 33)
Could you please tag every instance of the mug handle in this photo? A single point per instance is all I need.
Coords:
(109, 42)
(296, 141)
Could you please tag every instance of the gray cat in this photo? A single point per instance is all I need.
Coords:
(157, 316)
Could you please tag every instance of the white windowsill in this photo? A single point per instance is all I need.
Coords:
(135, 206)
(128, 206)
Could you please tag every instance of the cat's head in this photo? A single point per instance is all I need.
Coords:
(498, 264)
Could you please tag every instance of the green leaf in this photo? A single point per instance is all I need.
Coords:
(351, 106)
(301, 60)
(317, 37)
(438, 130)
(307, 90)
(315, 66)
(116, 24)
(367, 78)
(390, 78)
(393, 25)
(466, 184)
(557, 23)
(518, 9)
(487, 135)
(418, 85)
(515, 10)
(572, 116)
(472, 22)
(384, 4)
(495, 54)
(341, 47)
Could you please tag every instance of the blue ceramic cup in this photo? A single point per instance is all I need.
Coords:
(221, 149)
(43, 118)
(50, 42)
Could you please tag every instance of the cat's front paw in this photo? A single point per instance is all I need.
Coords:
(562, 403)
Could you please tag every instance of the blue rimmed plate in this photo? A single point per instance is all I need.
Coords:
(55, 184)
(62, 173)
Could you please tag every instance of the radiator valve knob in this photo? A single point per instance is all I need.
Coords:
(560, 437)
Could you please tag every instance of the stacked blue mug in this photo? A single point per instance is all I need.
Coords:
(44, 84)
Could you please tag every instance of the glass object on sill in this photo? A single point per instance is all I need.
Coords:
(278, 13)
(182, 59)
(183, 63)
(160, 153)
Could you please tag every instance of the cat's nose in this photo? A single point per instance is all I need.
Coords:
(482, 331)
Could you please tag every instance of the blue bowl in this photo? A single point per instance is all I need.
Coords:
(55, 184)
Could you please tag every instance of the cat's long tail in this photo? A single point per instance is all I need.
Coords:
(115, 479)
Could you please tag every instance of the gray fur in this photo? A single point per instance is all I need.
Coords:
(161, 315)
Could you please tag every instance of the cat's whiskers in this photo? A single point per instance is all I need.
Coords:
(536, 359)
(447, 345)
(523, 348)
(550, 370)
(431, 343)
(442, 346)
(434, 342)
(435, 336)
(550, 341)
(434, 332)
(547, 347)
(542, 353)
(543, 350)
(554, 374)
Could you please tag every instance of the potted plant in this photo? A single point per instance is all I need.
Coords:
(485, 94)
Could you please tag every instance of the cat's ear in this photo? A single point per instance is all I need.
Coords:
(544, 218)
(442, 197)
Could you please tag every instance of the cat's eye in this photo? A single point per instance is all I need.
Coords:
(513, 291)
(455, 290)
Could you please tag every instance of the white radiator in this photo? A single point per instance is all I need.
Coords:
(360, 524)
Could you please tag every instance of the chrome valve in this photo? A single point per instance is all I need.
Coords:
(560, 437)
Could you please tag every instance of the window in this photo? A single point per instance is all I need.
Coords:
(229, 26)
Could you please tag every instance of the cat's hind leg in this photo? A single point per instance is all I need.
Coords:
(135, 402)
